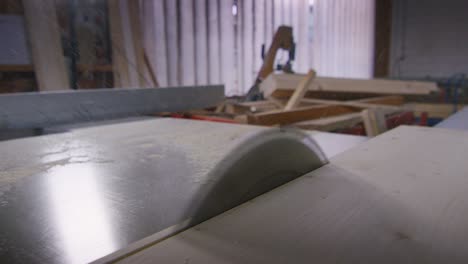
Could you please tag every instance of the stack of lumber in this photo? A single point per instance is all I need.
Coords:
(298, 100)
(309, 102)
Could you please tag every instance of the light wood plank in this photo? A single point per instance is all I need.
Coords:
(119, 61)
(214, 42)
(137, 42)
(201, 42)
(353, 103)
(259, 34)
(300, 91)
(46, 48)
(248, 39)
(252, 107)
(187, 42)
(374, 121)
(281, 117)
(287, 82)
(171, 15)
(331, 123)
(228, 60)
(434, 110)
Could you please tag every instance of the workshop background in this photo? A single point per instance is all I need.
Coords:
(192, 42)
(233, 131)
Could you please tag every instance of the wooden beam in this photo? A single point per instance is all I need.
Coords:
(280, 85)
(151, 71)
(46, 47)
(383, 100)
(281, 117)
(119, 58)
(374, 122)
(252, 107)
(11, 7)
(137, 40)
(434, 110)
(331, 123)
(357, 103)
(383, 32)
(300, 91)
(383, 105)
(80, 68)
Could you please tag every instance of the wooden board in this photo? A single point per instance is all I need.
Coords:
(434, 110)
(300, 91)
(357, 104)
(384, 100)
(80, 68)
(279, 85)
(331, 123)
(384, 201)
(137, 42)
(119, 59)
(46, 47)
(374, 121)
(252, 107)
(281, 117)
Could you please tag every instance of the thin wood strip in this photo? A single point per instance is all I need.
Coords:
(348, 103)
(137, 39)
(285, 83)
(300, 91)
(331, 123)
(46, 48)
(281, 117)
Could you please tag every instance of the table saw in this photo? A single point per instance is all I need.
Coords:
(151, 190)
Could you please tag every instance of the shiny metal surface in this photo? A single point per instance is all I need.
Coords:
(77, 196)
(45, 109)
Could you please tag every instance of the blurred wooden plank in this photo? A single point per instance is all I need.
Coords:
(171, 11)
(81, 68)
(11, 7)
(374, 121)
(357, 104)
(151, 71)
(119, 60)
(434, 110)
(281, 117)
(137, 41)
(46, 46)
(331, 123)
(187, 42)
(214, 41)
(201, 42)
(280, 85)
(300, 91)
(227, 54)
(383, 100)
(252, 107)
(382, 37)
